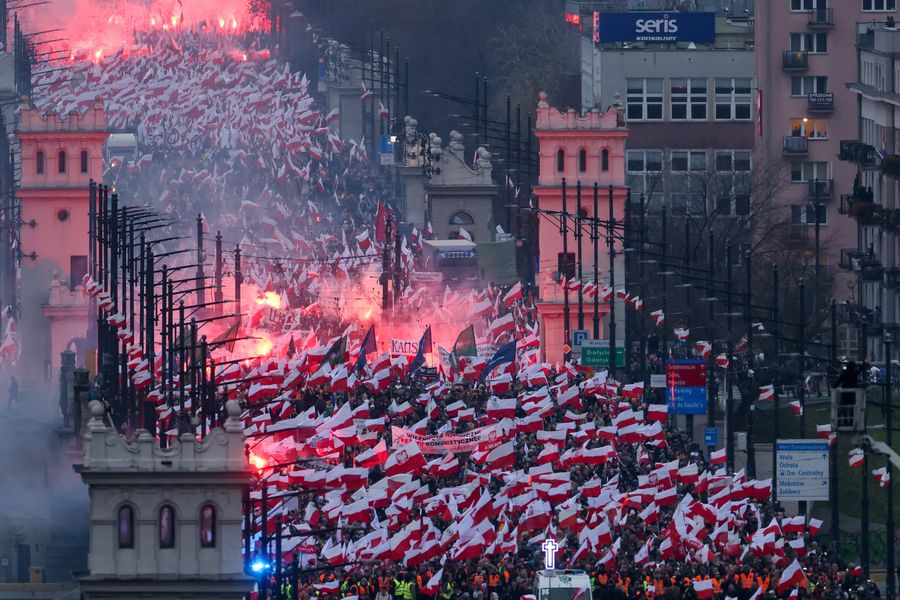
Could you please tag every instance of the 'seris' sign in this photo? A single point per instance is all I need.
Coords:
(659, 27)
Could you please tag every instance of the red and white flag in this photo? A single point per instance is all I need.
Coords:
(791, 576)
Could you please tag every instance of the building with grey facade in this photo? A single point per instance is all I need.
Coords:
(689, 108)
(874, 202)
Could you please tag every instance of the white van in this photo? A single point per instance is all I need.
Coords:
(567, 584)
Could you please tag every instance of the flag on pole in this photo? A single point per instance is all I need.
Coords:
(424, 346)
(368, 346)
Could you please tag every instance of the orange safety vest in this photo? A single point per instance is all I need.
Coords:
(493, 581)
(747, 581)
(717, 586)
(478, 580)
(384, 583)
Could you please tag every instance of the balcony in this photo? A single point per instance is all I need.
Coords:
(795, 145)
(795, 61)
(866, 213)
(823, 189)
(821, 17)
(862, 154)
(892, 278)
(821, 103)
(890, 165)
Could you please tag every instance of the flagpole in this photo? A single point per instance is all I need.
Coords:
(564, 230)
(578, 235)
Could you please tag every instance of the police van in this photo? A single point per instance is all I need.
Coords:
(559, 584)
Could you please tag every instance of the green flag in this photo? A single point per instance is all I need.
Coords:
(335, 354)
(465, 343)
(464, 346)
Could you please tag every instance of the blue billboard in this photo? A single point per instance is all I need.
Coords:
(659, 27)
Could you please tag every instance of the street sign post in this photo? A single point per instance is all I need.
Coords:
(579, 336)
(802, 469)
(686, 392)
(595, 353)
(711, 436)
(657, 381)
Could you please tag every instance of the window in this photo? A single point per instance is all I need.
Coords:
(560, 160)
(461, 218)
(644, 177)
(582, 160)
(77, 270)
(816, 129)
(733, 99)
(804, 214)
(208, 526)
(645, 161)
(814, 43)
(63, 158)
(808, 171)
(802, 5)
(644, 99)
(733, 182)
(604, 160)
(688, 99)
(167, 526)
(874, 5)
(688, 182)
(39, 162)
(126, 527)
(688, 160)
(84, 161)
(804, 86)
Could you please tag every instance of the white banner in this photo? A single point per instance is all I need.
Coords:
(483, 437)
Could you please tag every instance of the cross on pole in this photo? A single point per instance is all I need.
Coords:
(550, 546)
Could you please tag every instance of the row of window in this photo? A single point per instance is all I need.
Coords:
(651, 161)
(582, 160)
(813, 43)
(867, 5)
(40, 161)
(689, 98)
(816, 129)
(166, 526)
(805, 85)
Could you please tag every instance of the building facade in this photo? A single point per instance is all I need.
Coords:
(690, 116)
(873, 202)
(573, 148)
(60, 154)
(165, 523)
(806, 109)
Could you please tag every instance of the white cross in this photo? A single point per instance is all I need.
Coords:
(550, 546)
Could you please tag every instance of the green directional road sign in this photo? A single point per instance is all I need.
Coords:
(596, 356)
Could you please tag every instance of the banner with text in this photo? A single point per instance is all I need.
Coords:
(404, 347)
(483, 437)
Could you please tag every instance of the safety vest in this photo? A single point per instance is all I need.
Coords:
(747, 581)
(448, 591)
(407, 590)
(477, 580)
(493, 581)
(398, 588)
(383, 583)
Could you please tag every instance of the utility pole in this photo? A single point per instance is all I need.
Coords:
(890, 582)
(238, 280)
(595, 238)
(776, 422)
(201, 276)
(729, 369)
(711, 320)
(386, 269)
(801, 390)
(219, 295)
(662, 271)
(686, 284)
(748, 321)
(864, 472)
(816, 208)
(643, 284)
(610, 231)
(578, 234)
(564, 230)
(834, 495)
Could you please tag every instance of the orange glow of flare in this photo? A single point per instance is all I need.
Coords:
(258, 462)
(153, 21)
(367, 314)
(233, 23)
(221, 22)
(174, 20)
(98, 54)
(263, 347)
(269, 298)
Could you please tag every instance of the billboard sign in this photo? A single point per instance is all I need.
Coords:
(657, 27)
(686, 392)
(802, 469)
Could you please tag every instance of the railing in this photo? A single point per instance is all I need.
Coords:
(890, 165)
(862, 154)
(821, 102)
(821, 17)
(795, 144)
(850, 259)
(795, 61)
(821, 188)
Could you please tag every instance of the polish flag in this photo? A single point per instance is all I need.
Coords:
(657, 412)
(406, 459)
(434, 584)
(857, 456)
(722, 361)
(329, 587)
(718, 457)
(791, 576)
(500, 408)
(814, 526)
(659, 317)
(796, 408)
(374, 456)
(703, 349)
(766, 393)
(514, 293)
(704, 588)
(502, 457)
(823, 431)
